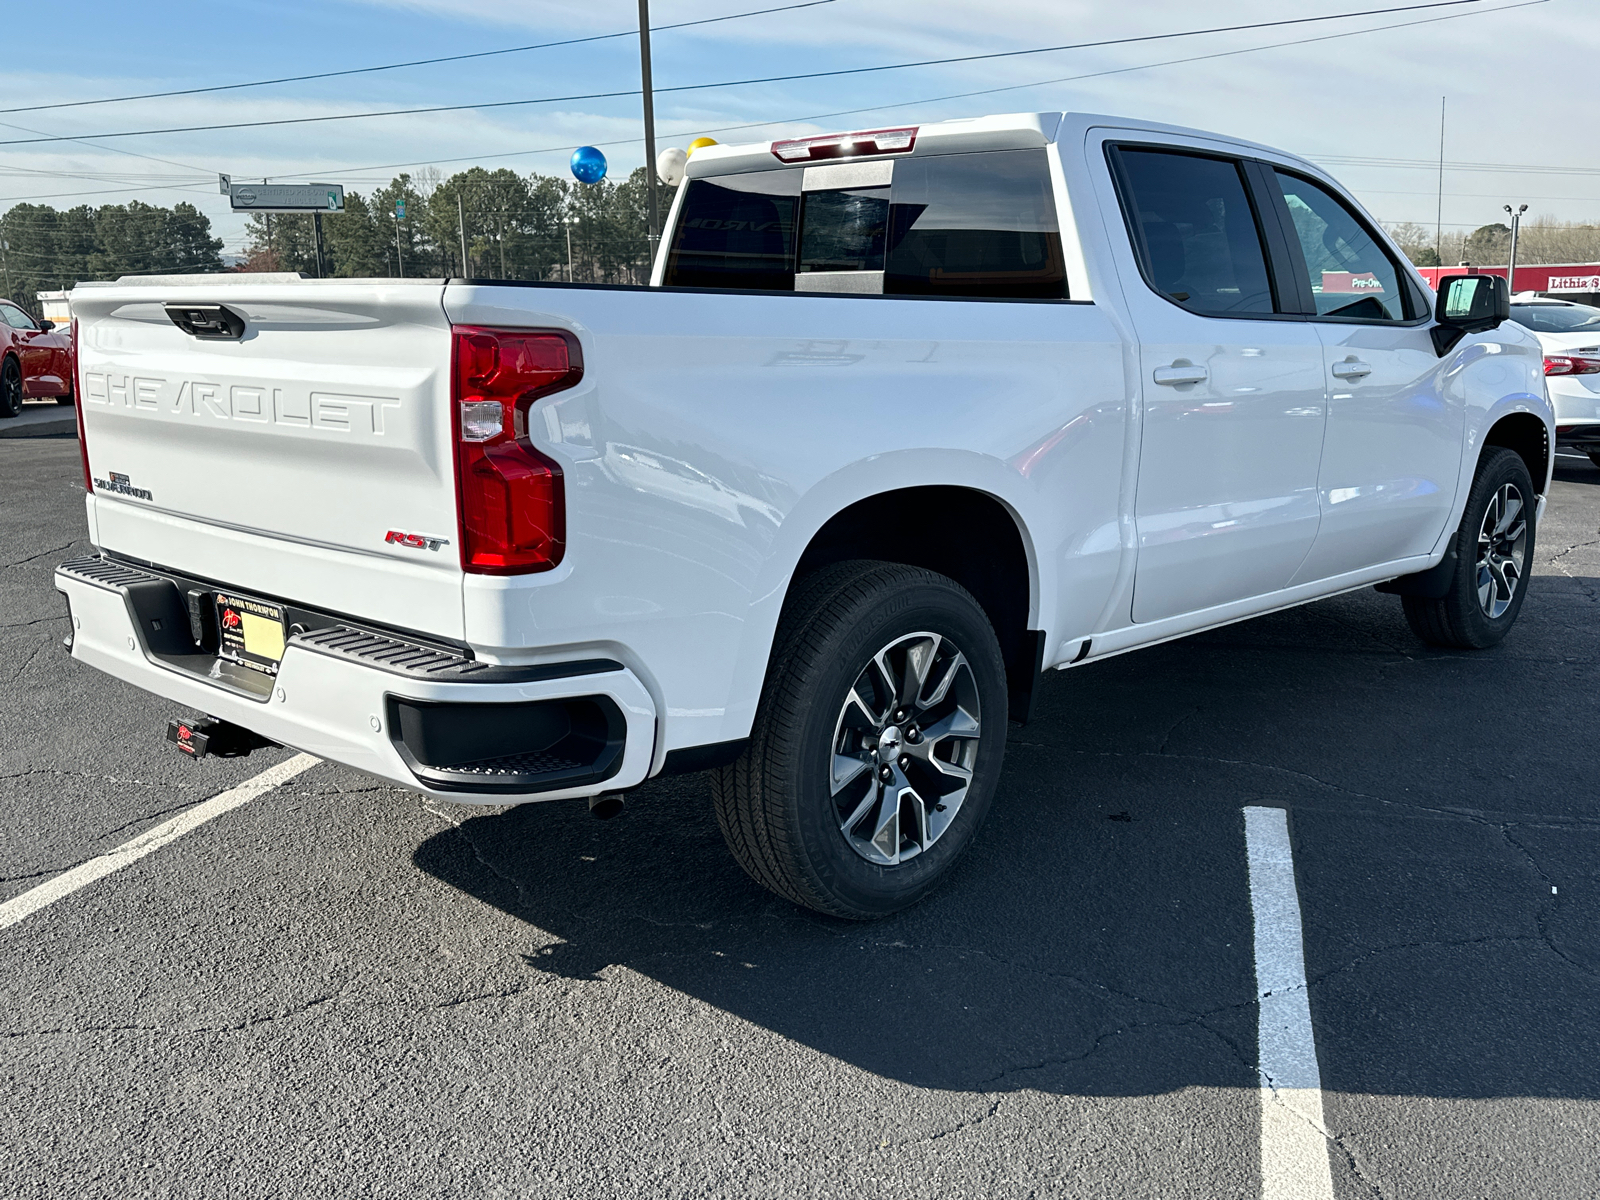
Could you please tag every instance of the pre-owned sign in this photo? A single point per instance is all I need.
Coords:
(286, 197)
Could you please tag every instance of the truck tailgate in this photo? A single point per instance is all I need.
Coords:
(279, 461)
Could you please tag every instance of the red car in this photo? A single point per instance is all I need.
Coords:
(34, 360)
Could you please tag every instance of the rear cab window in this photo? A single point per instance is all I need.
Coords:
(977, 224)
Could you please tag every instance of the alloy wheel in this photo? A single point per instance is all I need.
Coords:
(1502, 549)
(904, 747)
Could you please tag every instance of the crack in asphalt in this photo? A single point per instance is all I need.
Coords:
(35, 557)
(40, 621)
(89, 775)
(236, 1027)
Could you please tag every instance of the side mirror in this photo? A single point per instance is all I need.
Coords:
(47, 326)
(1468, 304)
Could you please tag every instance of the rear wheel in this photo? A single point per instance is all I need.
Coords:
(1494, 553)
(65, 398)
(10, 389)
(1594, 456)
(877, 747)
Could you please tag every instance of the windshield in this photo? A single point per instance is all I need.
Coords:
(1556, 318)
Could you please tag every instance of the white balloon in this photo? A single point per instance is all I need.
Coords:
(670, 164)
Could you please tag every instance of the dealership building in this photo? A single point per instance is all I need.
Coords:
(1564, 281)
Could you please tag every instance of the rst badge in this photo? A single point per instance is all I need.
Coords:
(414, 541)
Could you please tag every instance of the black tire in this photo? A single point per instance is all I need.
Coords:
(1460, 619)
(10, 389)
(65, 399)
(779, 806)
(1594, 456)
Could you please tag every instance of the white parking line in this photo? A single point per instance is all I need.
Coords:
(150, 840)
(1294, 1140)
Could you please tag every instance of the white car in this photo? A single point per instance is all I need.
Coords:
(907, 417)
(1569, 333)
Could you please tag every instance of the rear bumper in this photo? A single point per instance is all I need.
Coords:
(377, 704)
(1579, 435)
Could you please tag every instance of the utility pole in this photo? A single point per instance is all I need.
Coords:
(1438, 218)
(1511, 264)
(649, 123)
(461, 216)
(399, 211)
(316, 228)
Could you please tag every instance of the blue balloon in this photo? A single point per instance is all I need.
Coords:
(588, 164)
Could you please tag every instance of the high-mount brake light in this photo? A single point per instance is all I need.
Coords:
(846, 145)
(511, 500)
(1570, 364)
(77, 405)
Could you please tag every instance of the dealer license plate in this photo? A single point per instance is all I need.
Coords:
(252, 631)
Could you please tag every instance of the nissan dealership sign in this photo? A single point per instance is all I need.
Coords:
(286, 197)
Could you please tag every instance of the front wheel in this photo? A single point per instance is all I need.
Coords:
(877, 747)
(1494, 554)
(10, 389)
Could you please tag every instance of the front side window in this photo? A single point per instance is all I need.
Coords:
(737, 231)
(1351, 274)
(975, 225)
(1197, 236)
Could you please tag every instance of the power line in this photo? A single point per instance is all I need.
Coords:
(420, 62)
(850, 112)
(695, 87)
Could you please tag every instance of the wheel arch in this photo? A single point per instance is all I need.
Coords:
(965, 533)
(1527, 435)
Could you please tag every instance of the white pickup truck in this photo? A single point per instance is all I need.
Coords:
(907, 417)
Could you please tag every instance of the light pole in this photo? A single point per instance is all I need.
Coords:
(649, 123)
(461, 217)
(1511, 265)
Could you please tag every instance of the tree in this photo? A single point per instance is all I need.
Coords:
(1416, 243)
(1488, 244)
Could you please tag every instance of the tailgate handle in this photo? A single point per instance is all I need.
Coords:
(207, 320)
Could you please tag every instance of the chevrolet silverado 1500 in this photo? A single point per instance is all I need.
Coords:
(907, 417)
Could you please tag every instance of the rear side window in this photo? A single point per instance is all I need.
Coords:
(1351, 274)
(1196, 234)
(737, 231)
(948, 225)
(974, 225)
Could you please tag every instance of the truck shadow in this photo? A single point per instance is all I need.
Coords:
(1097, 937)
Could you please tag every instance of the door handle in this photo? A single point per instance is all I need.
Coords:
(1351, 368)
(1181, 372)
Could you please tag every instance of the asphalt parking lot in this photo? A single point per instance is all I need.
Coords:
(339, 989)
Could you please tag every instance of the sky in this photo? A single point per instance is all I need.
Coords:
(1366, 106)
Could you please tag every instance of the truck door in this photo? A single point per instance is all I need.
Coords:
(1232, 380)
(1392, 453)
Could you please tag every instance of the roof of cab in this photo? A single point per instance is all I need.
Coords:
(1011, 131)
(1015, 131)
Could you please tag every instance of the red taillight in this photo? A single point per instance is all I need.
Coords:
(1570, 364)
(510, 498)
(846, 145)
(77, 405)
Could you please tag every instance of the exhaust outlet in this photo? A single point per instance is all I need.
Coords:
(606, 806)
